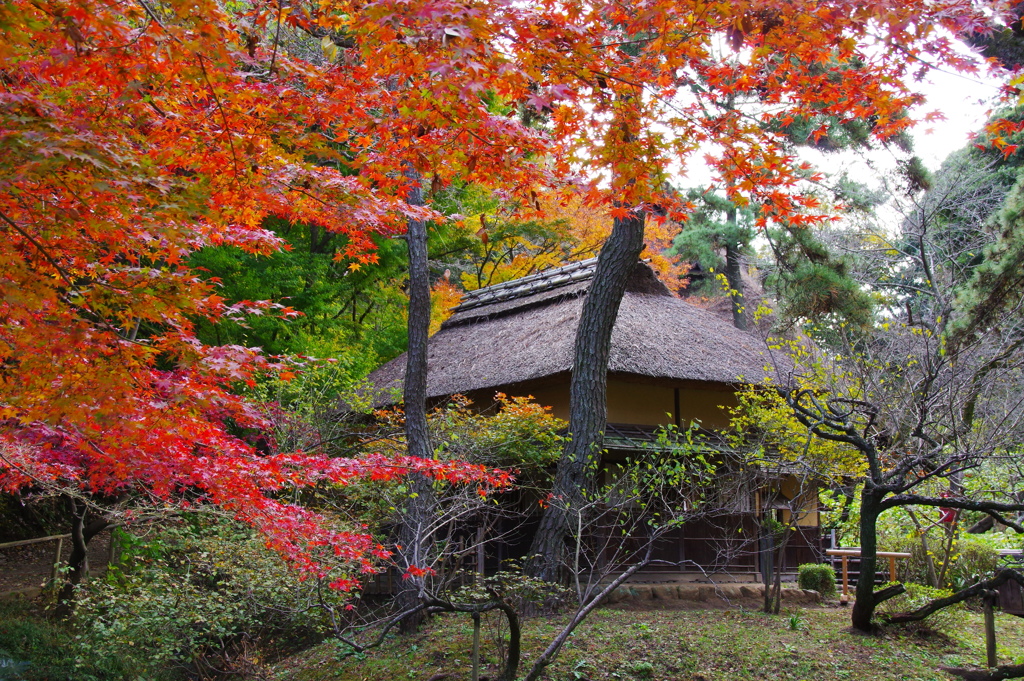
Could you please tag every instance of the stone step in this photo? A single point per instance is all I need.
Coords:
(716, 595)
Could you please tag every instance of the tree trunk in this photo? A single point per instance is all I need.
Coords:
(515, 637)
(82, 532)
(734, 275)
(978, 589)
(1015, 671)
(587, 394)
(982, 526)
(929, 560)
(864, 606)
(773, 592)
(768, 567)
(947, 556)
(417, 516)
(415, 388)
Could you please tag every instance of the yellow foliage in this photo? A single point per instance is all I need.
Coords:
(575, 231)
(763, 410)
(444, 296)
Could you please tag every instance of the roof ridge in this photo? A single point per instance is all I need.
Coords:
(555, 277)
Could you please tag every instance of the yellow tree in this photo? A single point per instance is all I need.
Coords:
(570, 230)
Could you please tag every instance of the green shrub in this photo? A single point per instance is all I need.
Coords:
(948, 621)
(955, 564)
(196, 596)
(818, 577)
(976, 558)
(973, 557)
(33, 648)
(643, 669)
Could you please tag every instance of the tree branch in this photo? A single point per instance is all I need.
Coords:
(1015, 671)
(949, 502)
(882, 595)
(1003, 576)
(549, 653)
(40, 248)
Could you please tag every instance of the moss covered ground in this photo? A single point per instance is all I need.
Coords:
(682, 645)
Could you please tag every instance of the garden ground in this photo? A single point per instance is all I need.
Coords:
(683, 645)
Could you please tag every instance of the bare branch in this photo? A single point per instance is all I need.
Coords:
(1003, 576)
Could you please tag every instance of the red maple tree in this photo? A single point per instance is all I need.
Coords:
(133, 133)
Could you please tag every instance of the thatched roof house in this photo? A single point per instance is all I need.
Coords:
(670, 363)
(517, 337)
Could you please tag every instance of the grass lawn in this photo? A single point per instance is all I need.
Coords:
(682, 645)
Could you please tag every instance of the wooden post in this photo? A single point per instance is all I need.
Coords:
(56, 559)
(480, 556)
(476, 646)
(845, 598)
(845, 554)
(990, 629)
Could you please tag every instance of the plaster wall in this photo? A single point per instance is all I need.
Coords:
(645, 404)
(804, 500)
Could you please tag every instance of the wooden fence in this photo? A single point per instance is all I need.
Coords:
(59, 538)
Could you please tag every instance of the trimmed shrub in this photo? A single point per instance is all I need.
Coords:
(818, 577)
(973, 557)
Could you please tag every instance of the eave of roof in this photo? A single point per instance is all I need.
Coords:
(527, 286)
(525, 332)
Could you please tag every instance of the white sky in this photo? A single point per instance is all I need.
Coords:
(966, 101)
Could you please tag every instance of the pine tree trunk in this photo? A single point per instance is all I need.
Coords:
(734, 275)
(587, 395)
(415, 387)
(420, 503)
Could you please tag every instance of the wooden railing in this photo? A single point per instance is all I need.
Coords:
(56, 554)
(854, 552)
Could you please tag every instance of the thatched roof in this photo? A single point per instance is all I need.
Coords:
(524, 330)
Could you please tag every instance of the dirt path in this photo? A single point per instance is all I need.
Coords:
(25, 569)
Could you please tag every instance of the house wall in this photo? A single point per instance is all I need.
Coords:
(643, 405)
(647, 405)
(716, 544)
(554, 396)
(706, 406)
(804, 500)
